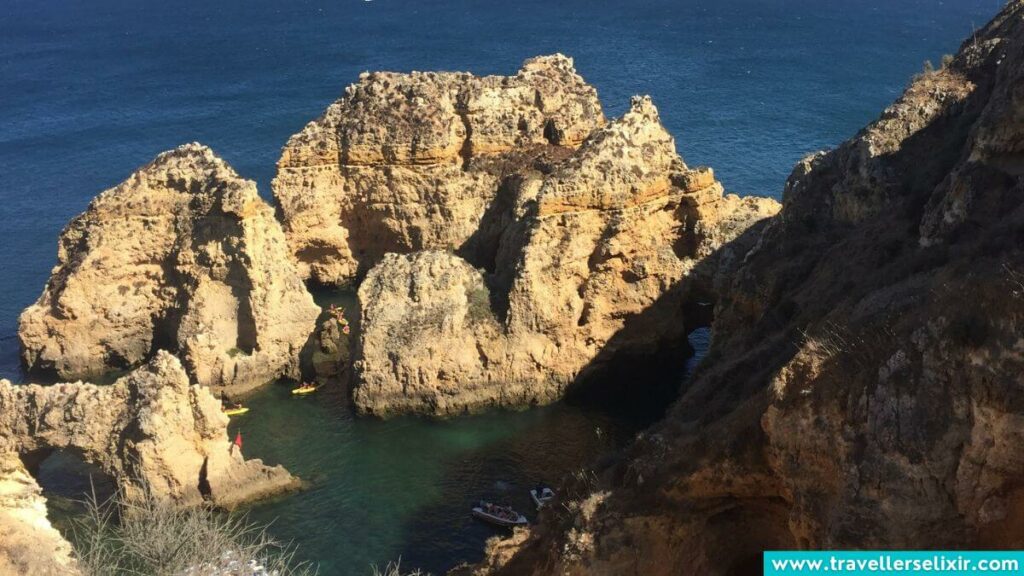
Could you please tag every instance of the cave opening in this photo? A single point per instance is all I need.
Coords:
(641, 386)
(67, 480)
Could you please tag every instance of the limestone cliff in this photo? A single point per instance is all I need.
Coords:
(864, 388)
(590, 266)
(150, 429)
(183, 256)
(406, 162)
(29, 544)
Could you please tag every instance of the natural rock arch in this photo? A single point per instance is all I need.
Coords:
(151, 429)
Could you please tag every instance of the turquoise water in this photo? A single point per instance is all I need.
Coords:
(402, 488)
(91, 90)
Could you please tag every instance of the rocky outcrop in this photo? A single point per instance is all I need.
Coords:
(590, 266)
(331, 350)
(149, 430)
(864, 385)
(183, 256)
(407, 162)
(29, 544)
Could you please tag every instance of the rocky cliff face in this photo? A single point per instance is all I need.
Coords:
(589, 266)
(182, 256)
(407, 162)
(150, 429)
(29, 544)
(864, 386)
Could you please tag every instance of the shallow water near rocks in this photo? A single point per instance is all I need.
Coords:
(382, 490)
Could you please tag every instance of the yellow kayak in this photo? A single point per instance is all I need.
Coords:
(306, 390)
(236, 411)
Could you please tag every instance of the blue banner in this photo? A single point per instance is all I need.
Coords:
(876, 563)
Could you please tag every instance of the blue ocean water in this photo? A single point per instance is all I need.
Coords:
(91, 90)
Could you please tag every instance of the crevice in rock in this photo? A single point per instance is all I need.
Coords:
(204, 481)
(551, 132)
(466, 151)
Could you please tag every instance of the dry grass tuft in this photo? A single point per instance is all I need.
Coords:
(150, 536)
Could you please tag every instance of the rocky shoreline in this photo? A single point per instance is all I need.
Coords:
(511, 244)
(864, 385)
(151, 430)
(508, 235)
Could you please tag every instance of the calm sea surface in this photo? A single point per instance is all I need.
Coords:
(90, 90)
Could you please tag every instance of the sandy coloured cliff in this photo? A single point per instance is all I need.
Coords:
(29, 544)
(149, 430)
(182, 256)
(407, 162)
(864, 387)
(589, 268)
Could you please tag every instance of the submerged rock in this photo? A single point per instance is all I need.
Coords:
(864, 385)
(591, 267)
(407, 162)
(184, 256)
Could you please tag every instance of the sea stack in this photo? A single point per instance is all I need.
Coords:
(592, 264)
(408, 162)
(183, 256)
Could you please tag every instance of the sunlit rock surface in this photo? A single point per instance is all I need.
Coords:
(864, 386)
(406, 162)
(184, 256)
(589, 267)
(151, 429)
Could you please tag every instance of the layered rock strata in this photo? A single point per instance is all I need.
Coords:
(182, 256)
(864, 388)
(407, 162)
(590, 267)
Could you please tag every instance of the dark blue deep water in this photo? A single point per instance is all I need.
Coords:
(90, 90)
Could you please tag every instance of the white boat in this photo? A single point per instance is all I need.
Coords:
(499, 515)
(542, 497)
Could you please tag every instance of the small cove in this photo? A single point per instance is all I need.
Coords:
(95, 90)
(380, 490)
(377, 491)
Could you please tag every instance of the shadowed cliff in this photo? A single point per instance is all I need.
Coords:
(864, 385)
